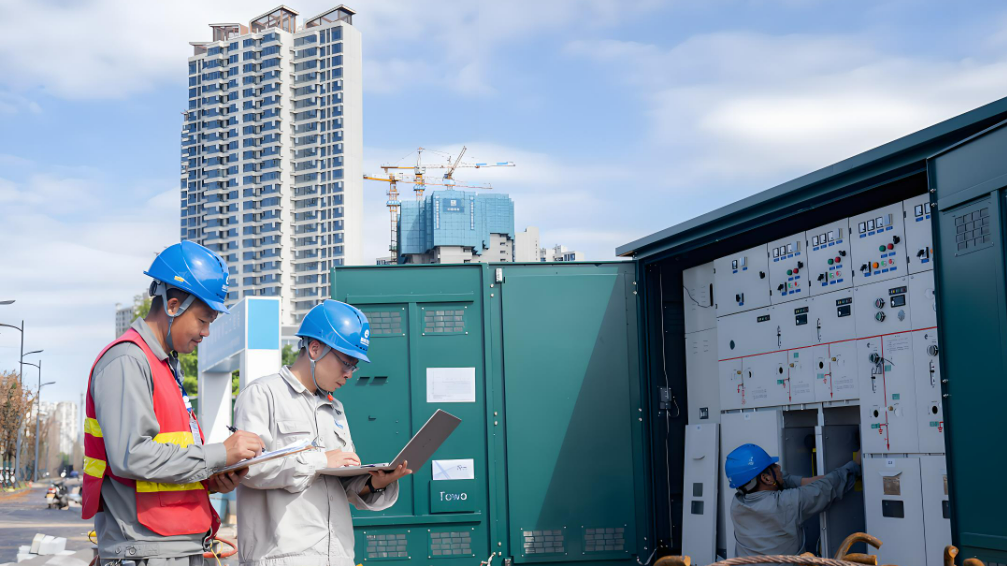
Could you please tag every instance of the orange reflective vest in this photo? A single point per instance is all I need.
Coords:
(165, 508)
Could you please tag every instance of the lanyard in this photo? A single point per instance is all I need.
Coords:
(178, 381)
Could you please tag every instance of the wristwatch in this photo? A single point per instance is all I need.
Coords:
(372, 488)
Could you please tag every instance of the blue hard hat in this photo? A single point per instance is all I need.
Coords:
(745, 463)
(194, 269)
(340, 326)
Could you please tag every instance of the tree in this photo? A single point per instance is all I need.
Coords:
(289, 355)
(15, 406)
(141, 306)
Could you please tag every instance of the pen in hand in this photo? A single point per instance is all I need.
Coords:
(232, 429)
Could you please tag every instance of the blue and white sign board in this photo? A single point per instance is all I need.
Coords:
(246, 339)
(253, 323)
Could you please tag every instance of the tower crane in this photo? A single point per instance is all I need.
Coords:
(394, 204)
(420, 183)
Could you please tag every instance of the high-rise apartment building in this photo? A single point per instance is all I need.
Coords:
(123, 318)
(271, 153)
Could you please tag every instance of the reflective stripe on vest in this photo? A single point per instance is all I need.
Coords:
(164, 508)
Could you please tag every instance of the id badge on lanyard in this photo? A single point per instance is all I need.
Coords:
(193, 425)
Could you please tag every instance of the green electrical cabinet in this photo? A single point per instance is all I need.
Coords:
(541, 363)
(969, 181)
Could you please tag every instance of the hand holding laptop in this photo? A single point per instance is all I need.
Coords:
(419, 449)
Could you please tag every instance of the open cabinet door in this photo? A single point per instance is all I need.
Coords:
(967, 183)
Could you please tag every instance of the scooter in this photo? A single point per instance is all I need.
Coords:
(57, 495)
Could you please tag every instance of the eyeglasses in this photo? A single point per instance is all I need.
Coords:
(352, 368)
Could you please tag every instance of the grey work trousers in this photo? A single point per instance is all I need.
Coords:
(194, 560)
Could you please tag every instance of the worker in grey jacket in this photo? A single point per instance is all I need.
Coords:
(288, 514)
(770, 507)
(141, 438)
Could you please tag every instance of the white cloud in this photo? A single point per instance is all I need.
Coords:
(67, 263)
(11, 103)
(739, 112)
(115, 48)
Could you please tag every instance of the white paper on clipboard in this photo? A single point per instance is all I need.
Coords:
(267, 456)
(451, 385)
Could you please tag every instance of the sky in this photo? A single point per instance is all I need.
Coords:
(624, 117)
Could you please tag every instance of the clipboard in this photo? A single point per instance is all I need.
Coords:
(295, 448)
(417, 451)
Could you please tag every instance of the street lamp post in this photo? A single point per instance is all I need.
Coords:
(38, 414)
(21, 330)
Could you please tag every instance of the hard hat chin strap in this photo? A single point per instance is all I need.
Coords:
(325, 351)
(160, 288)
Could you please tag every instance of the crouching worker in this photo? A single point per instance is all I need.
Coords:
(287, 513)
(770, 507)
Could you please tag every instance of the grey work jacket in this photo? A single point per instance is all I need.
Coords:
(122, 388)
(769, 522)
(287, 514)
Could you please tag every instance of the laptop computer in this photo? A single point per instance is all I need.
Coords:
(417, 451)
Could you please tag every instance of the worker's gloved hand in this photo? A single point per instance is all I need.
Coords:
(338, 459)
(226, 483)
(380, 479)
(242, 445)
(856, 457)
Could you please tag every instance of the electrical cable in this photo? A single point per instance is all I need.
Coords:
(667, 414)
(698, 304)
(651, 557)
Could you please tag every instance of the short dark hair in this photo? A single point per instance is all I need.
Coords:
(173, 293)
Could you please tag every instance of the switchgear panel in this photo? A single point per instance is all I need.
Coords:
(701, 376)
(878, 244)
(882, 307)
(741, 281)
(765, 380)
(697, 291)
(748, 333)
(936, 508)
(893, 499)
(924, 303)
(888, 414)
(788, 275)
(832, 317)
(732, 386)
(919, 234)
(829, 259)
(701, 478)
(929, 409)
(797, 327)
(835, 372)
(759, 427)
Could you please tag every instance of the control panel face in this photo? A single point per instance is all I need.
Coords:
(829, 258)
(878, 245)
(888, 416)
(747, 333)
(924, 304)
(732, 387)
(930, 411)
(766, 380)
(788, 275)
(796, 325)
(893, 504)
(919, 233)
(835, 372)
(936, 508)
(833, 317)
(741, 282)
(882, 307)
